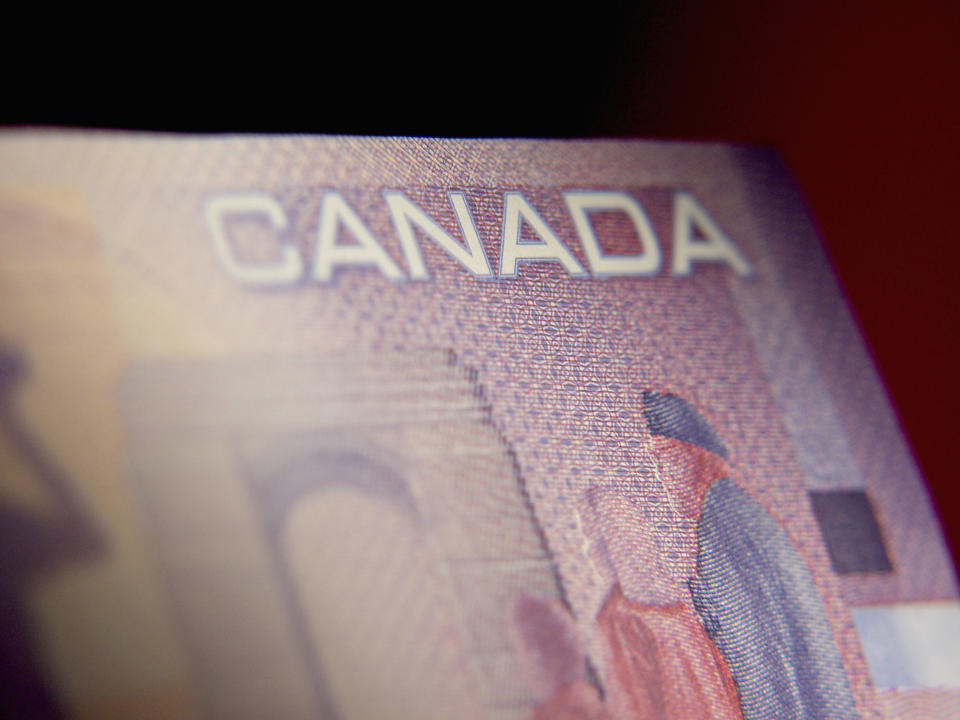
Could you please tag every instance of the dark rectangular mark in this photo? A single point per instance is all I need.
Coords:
(850, 531)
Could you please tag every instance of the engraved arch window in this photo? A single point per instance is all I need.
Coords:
(394, 526)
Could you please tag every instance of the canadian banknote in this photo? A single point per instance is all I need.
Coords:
(302, 427)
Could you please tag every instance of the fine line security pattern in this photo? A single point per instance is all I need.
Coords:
(391, 427)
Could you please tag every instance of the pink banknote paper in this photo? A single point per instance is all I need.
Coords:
(308, 427)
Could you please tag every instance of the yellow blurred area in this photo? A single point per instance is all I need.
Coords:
(106, 637)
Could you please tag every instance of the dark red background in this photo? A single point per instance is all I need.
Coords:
(860, 98)
(862, 101)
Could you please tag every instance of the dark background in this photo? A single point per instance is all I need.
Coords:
(861, 99)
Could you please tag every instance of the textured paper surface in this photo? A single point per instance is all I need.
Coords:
(271, 450)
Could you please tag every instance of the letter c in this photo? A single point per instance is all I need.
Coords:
(285, 271)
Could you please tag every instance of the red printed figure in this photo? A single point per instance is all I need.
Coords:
(643, 538)
(711, 612)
